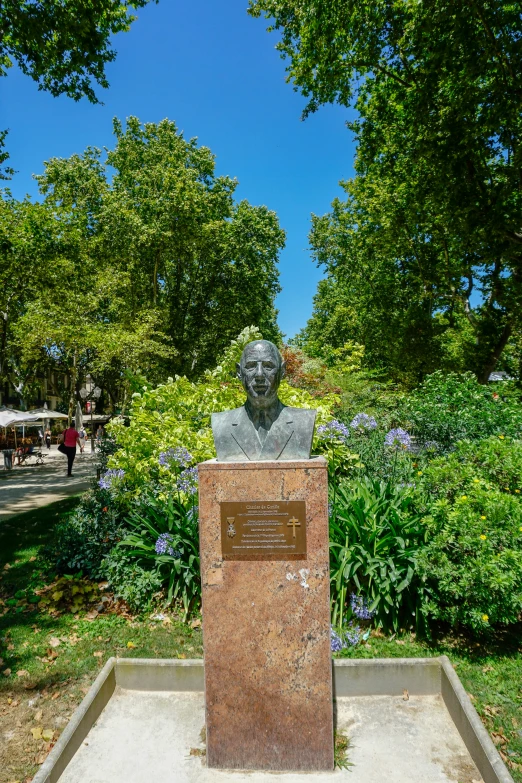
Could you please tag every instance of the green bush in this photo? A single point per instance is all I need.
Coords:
(137, 586)
(164, 537)
(448, 408)
(375, 536)
(87, 536)
(472, 563)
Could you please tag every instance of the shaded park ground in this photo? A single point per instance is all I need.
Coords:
(51, 653)
(30, 486)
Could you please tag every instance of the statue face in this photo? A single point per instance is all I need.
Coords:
(260, 371)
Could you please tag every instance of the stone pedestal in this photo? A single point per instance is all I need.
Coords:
(266, 617)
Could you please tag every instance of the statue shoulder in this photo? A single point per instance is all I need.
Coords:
(224, 417)
(305, 414)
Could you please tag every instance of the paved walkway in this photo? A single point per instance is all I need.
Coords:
(28, 487)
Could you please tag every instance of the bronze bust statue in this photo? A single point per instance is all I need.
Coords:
(263, 428)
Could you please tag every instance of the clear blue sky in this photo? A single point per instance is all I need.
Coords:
(213, 70)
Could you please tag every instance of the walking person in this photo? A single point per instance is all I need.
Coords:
(48, 439)
(70, 438)
(40, 437)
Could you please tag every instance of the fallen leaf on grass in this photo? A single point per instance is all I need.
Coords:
(22, 673)
(182, 655)
(48, 734)
(91, 615)
(41, 757)
(6, 672)
(54, 641)
(38, 715)
(37, 733)
(98, 654)
(56, 695)
(130, 645)
(10, 646)
(195, 623)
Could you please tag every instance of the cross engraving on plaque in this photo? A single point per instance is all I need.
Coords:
(292, 523)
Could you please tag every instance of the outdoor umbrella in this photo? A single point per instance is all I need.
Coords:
(9, 416)
(78, 418)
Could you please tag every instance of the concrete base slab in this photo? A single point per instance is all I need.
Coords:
(144, 736)
(141, 722)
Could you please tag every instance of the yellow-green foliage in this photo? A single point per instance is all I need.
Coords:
(177, 413)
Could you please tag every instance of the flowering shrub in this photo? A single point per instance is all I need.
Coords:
(449, 407)
(363, 422)
(343, 638)
(334, 431)
(86, 537)
(398, 439)
(472, 564)
(105, 481)
(164, 539)
(375, 537)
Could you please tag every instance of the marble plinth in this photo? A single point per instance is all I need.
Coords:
(266, 626)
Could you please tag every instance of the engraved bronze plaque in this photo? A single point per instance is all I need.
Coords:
(268, 529)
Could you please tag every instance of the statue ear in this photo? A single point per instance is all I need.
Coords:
(238, 370)
(283, 369)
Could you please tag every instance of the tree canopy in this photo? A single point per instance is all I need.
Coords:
(137, 261)
(63, 46)
(434, 213)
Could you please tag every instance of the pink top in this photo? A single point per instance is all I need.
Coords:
(70, 436)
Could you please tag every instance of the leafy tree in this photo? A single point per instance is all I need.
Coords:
(436, 206)
(148, 273)
(63, 46)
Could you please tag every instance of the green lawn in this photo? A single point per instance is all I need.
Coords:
(59, 656)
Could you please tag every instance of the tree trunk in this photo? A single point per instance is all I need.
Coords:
(496, 353)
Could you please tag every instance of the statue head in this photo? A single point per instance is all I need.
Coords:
(260, 370)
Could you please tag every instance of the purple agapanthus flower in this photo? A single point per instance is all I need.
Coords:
(164, 546)
(333, 431)
(398, 438)
(340, 640)
(360, 607)
(362, 422)
(336, 641)
(188, 481)
(179, 456)
(352, 636)
(106, 480)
